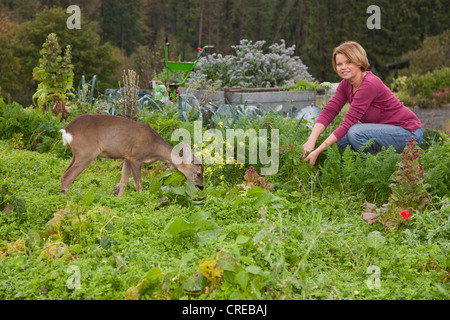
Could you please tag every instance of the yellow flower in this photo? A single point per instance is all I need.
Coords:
(221, 124)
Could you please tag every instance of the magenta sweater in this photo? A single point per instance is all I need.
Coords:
(372, 102)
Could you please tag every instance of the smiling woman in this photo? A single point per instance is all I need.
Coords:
(374, 112)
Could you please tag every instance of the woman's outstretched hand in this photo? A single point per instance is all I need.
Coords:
(308, 147)
(308, 152)
(312, 157)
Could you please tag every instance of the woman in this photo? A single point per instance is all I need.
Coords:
(381, 115)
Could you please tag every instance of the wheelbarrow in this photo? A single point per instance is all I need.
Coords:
(177, 66)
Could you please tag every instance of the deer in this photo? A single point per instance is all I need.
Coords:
(107, 136)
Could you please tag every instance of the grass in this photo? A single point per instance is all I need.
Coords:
(307, 244)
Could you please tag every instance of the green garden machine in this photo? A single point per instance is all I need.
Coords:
(176, 66)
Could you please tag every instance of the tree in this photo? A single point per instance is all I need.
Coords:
(121, 24)
(9, 63)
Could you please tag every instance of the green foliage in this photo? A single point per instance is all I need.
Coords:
(197, 224)
(304, 85)
(38, 131)
(437, 166)
(425, 90)
(9, 61)
(433, 54)
(366, 174)
(281, 244)
(9, 201)
(54, 73)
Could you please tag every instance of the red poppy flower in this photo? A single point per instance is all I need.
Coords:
(405, 214)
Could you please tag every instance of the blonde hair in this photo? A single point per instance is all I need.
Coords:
(354, 52)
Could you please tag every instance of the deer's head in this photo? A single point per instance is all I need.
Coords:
(188, 164)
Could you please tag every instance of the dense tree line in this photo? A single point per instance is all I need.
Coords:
(130, 34)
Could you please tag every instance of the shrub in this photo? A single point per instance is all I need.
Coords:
(436, 162)
(30, 129)
(427, 90)
(250, 67)
(434, 53)
(54, 73)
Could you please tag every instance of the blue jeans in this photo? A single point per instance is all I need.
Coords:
(385, 135)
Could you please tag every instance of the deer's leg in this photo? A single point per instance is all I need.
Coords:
(126, 169)
(136, 170)
(77, 166)
(70, 165)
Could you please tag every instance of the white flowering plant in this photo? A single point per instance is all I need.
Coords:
(250, 67)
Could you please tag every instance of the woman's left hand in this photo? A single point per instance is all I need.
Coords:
(312, 157)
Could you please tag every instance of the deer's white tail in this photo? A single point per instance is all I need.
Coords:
(67, 137)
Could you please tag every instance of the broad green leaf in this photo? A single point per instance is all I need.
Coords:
(181, 191)
(175, 177)
(190, 189)
(152, 280)
(245, 259)
(195, 283)
(226, 261)
(235, 295)
(242, 239)
(260, 196)
(187, 257)
(239, 200)
(242, 279)
(179, 225)
(253, 269)
(88, 198)
(209, 234)
(207, 229)
(199, 215)
(155, 186)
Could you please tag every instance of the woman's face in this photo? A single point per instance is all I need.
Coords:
(346, 69)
